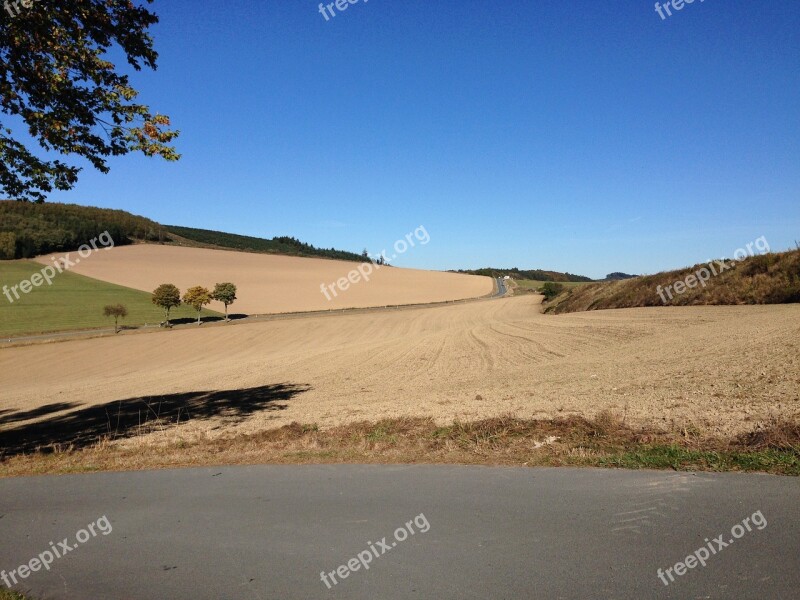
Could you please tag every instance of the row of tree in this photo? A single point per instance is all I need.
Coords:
(168, 296)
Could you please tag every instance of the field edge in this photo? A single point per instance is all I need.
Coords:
(605, 441)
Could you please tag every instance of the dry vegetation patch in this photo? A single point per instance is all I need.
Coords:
(761, 279)
(605, 441)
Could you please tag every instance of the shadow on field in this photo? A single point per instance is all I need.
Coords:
(135, 416)
(25, 415)
(193, 320)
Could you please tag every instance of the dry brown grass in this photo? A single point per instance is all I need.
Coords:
(764, 279)
(605, 440)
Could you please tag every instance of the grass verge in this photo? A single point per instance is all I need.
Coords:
(605, 441)
(11, 595)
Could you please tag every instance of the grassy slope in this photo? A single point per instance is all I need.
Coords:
(529, 284)
(764, 279)
(72, 302)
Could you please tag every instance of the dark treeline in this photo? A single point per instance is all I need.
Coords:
(530, 274)
(28, 230)
(277, 245)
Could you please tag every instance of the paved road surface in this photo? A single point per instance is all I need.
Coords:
(501, 287)
(267, 532)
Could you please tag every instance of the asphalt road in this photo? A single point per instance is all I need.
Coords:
(501, 287)
(267, 532)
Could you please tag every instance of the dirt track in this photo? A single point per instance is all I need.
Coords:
(722, 369)
(274, 284)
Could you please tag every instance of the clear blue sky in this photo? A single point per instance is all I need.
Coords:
(586, 137)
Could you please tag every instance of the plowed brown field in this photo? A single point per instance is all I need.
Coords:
(720, 369)
(271, 283)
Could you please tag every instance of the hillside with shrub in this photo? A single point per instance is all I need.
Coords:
(28, 230)
(763, 279)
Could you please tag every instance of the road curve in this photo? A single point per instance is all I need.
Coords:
(268, 532)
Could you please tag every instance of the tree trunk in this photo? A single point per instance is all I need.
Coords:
(226, 312)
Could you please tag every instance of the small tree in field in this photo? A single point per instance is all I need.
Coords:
(167, 296)
(197, 297)
(225, 293)
(117, 311)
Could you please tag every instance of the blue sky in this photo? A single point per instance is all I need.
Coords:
(587, 137)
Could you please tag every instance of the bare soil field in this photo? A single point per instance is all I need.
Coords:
(721, 370)
(271, 283)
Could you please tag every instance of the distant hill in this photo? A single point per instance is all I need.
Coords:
(529, 274)
(29, 229)
(617, 276)
(761, 279)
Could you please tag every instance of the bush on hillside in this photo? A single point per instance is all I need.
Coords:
(551, 290)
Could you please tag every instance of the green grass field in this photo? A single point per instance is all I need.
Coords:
(73, 302)
(529, 284)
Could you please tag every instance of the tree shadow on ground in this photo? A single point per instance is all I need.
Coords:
(136, 416)
(25, 415)
(193, 320)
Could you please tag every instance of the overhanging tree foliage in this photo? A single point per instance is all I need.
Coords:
(56, 78)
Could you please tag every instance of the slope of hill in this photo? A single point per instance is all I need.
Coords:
(270, 283)
(526, 274)
(762, 279)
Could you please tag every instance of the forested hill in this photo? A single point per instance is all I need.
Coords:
(28, 230)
